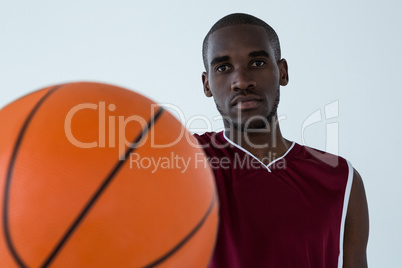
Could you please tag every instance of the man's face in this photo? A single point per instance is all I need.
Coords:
(243, 76)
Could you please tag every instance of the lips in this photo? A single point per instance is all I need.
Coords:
(245, 101)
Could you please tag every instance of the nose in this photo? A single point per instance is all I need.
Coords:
(242, 80)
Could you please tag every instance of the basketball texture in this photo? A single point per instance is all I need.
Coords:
(80, 183)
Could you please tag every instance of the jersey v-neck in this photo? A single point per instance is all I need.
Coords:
(287, 153)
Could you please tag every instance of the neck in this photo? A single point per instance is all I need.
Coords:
(266, 144)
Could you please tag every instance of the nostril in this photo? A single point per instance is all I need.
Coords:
(243, 84)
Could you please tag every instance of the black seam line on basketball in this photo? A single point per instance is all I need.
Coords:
(101, 189)
(186, 238)
(10, 170)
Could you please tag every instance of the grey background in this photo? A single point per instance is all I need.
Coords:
(344, 52)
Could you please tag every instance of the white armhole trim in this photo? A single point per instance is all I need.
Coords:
(344, 211)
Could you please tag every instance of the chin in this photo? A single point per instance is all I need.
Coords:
(254, 122)
(251, 125)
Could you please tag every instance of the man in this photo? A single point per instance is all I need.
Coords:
(281, 204)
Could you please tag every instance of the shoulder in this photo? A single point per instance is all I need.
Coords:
(337, 171)
(214, 143)
(211, 139)
(206, 137)
(310, 160)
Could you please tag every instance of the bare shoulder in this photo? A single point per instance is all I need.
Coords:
(356, 226)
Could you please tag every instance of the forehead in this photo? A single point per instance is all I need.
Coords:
(238, 39)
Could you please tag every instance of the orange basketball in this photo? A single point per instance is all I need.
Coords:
(94, 175)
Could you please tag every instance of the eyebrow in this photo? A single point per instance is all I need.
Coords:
(254, 54)
(219, 60)
(261, 53)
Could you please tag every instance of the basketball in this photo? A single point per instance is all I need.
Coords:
(95, 175)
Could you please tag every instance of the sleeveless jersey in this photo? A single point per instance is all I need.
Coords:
(289, 214)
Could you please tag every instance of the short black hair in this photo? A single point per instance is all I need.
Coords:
(239, 19)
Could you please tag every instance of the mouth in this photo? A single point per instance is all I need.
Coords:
(243, 102)
(244, 105)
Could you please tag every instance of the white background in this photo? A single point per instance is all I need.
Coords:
(347, 52)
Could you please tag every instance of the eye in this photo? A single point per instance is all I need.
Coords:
(223, 68)
(258, 63)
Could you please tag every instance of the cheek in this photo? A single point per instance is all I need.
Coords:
(219, 99)
(219, 89)
(216, 83)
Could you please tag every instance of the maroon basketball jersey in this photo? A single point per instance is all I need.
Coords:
(288, 214)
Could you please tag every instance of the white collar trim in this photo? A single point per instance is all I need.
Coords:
(247, 152)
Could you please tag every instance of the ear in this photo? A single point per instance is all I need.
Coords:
(205, 83)
(284, 74)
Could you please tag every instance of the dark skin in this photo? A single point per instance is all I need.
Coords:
(244, 78)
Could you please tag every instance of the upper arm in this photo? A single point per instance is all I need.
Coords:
(356, 226)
